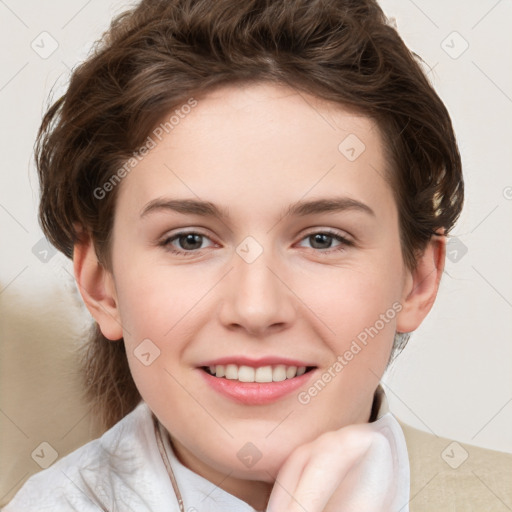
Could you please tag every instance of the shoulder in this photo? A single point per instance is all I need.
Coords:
(448, 475)
(122, 463)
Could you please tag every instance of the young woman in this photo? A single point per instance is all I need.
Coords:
(256, 197)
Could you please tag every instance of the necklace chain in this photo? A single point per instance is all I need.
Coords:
(167, 464)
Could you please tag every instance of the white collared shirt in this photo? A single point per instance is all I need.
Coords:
(123, 470)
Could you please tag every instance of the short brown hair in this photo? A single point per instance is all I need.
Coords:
(157, 55)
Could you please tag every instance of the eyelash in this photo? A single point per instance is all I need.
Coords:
(166, 243)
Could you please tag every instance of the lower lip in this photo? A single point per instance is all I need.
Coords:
(255, 393)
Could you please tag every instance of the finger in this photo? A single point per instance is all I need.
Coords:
(287, 479)
(330, 459)
(323, 474)
(370, 484)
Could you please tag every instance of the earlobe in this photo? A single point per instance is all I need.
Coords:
(96, 285)
(421, 285)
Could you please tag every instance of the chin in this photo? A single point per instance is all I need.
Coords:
(256, 460)
(262, 471)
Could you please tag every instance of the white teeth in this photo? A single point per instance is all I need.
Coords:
(244, 373)
(291, 371)
(279, 373)
(263, 374)
(232, 371)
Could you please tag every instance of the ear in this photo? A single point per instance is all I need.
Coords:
(421, 285)
(96, 285)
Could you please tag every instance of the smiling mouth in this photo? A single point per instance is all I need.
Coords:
(261, 374)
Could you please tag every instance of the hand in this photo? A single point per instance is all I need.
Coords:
(349, 470)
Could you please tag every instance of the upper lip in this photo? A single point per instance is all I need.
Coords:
(256, 363)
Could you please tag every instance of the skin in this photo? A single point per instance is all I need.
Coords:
(255, 150)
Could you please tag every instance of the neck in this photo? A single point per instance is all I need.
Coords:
(254, 492)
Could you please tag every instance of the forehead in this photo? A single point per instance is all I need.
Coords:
(257, 147)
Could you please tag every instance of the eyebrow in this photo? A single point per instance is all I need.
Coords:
(300, 208)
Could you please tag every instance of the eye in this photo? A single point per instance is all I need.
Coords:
(322, 241)
(189, 243)
(184, 243)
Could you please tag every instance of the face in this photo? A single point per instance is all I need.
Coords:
(260, 239)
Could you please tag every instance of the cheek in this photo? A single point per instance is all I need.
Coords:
(359, 309)
(150, 308)
(152, 299)
(355, 298)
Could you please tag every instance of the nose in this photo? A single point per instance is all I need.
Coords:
(256, 297)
